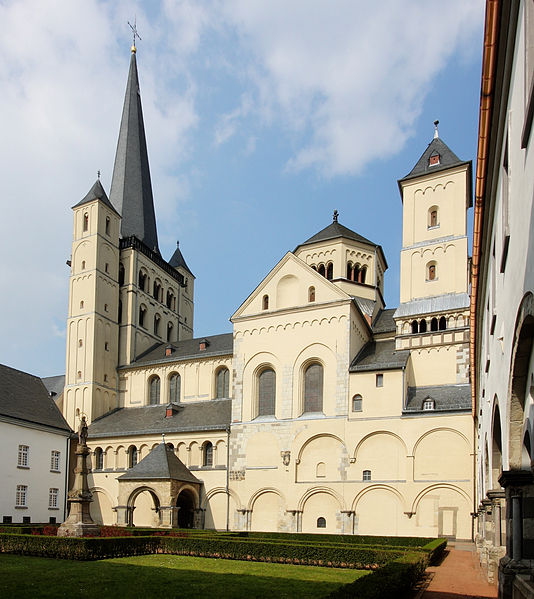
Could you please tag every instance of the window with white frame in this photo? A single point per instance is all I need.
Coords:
(428, 404)
(53, 495)
(22, 496)
(24, 456)
(54, 460)
(366, 475)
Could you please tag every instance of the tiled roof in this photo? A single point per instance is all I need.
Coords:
(431, 305)
(384, 322)
(446, 398)
(218, 345)
(177, 259)
(24, 397)
(335, 230)
(96, 193)
(210, 414)
(131, 187)
(160, 463)
(54, 384)
(379, 355)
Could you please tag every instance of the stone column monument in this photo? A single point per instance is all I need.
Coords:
(79, 522)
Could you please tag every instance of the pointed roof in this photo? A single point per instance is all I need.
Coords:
(160, 463)
(131, 187)
(334, 231)
(177, 259)
(96, 193)
(447, 159)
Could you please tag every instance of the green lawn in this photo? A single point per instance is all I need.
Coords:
(165, 576)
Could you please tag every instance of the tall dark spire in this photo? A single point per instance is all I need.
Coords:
(131, 188)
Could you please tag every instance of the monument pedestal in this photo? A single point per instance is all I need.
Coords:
(79, 522)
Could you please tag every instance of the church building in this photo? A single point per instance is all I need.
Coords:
(323, 410)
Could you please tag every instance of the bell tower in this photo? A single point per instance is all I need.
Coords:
(434, 277)
(92, 325)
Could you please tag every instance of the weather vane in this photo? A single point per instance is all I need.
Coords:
(134, 31)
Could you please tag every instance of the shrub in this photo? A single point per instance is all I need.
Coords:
(115, 531)
(395, 579)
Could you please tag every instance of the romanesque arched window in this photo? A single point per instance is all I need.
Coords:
(357, 403)
(222, 383)
(99, 459)
(169, 331)
(311, 294)
(157, 319)
(366, 475)
(153, 391)
(265, 302)
(107, 225)
(121, 274)
(142, 315)
(431, 271)
(422, 326)
(85, 222)
(267, 392)
(156, 290)
(363, 274)
(321, 270)
(132, 456)
(313, 388)
(433, 217)
(330, 271)
(170, 298)
(415, 327)
(434, 324)
(349, 271)
(175, 382)
(207, 454)
(143, 277)
(321, 522)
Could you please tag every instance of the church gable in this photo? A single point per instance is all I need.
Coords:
(291, 284)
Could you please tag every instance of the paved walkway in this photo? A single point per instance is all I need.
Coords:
(459, 576)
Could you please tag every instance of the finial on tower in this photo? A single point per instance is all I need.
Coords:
(336, 214)
(436, 134)
(177, 243)
(98, 174)
(163, 437)
(135, 34)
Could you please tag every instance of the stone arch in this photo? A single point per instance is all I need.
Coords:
(382, 452)
(187, 502)
(101, 508)
(324, 447)
(379, 510)
(143, 504)
(519, 367)
(215, 503)
(267, 508)
(428, 454)
(321, 502)
(443, 509)
(496, 445)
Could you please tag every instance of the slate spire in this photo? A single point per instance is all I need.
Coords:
(131, 188)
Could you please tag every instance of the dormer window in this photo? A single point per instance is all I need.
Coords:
(434, 159)
(428, 404)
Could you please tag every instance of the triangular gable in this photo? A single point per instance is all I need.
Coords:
(287, 286)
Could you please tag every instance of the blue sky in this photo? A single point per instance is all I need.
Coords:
(262, 117)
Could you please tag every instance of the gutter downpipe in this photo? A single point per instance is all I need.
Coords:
(486, 104)
(227, 479)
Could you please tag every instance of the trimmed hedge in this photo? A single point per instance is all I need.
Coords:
(258, 550)
(395, 579)
(88, 548)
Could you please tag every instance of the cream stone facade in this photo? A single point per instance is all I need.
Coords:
(322, 411)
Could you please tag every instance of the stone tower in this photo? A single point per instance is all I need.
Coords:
(92, 326)
(124, 296)
(434, 302)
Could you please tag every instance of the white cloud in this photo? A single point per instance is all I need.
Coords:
(351, 75)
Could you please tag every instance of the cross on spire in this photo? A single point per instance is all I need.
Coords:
(135, 34)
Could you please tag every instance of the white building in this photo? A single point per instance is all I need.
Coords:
(502, 305)
(34, 445)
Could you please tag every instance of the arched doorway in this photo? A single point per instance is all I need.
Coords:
(186, 502)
